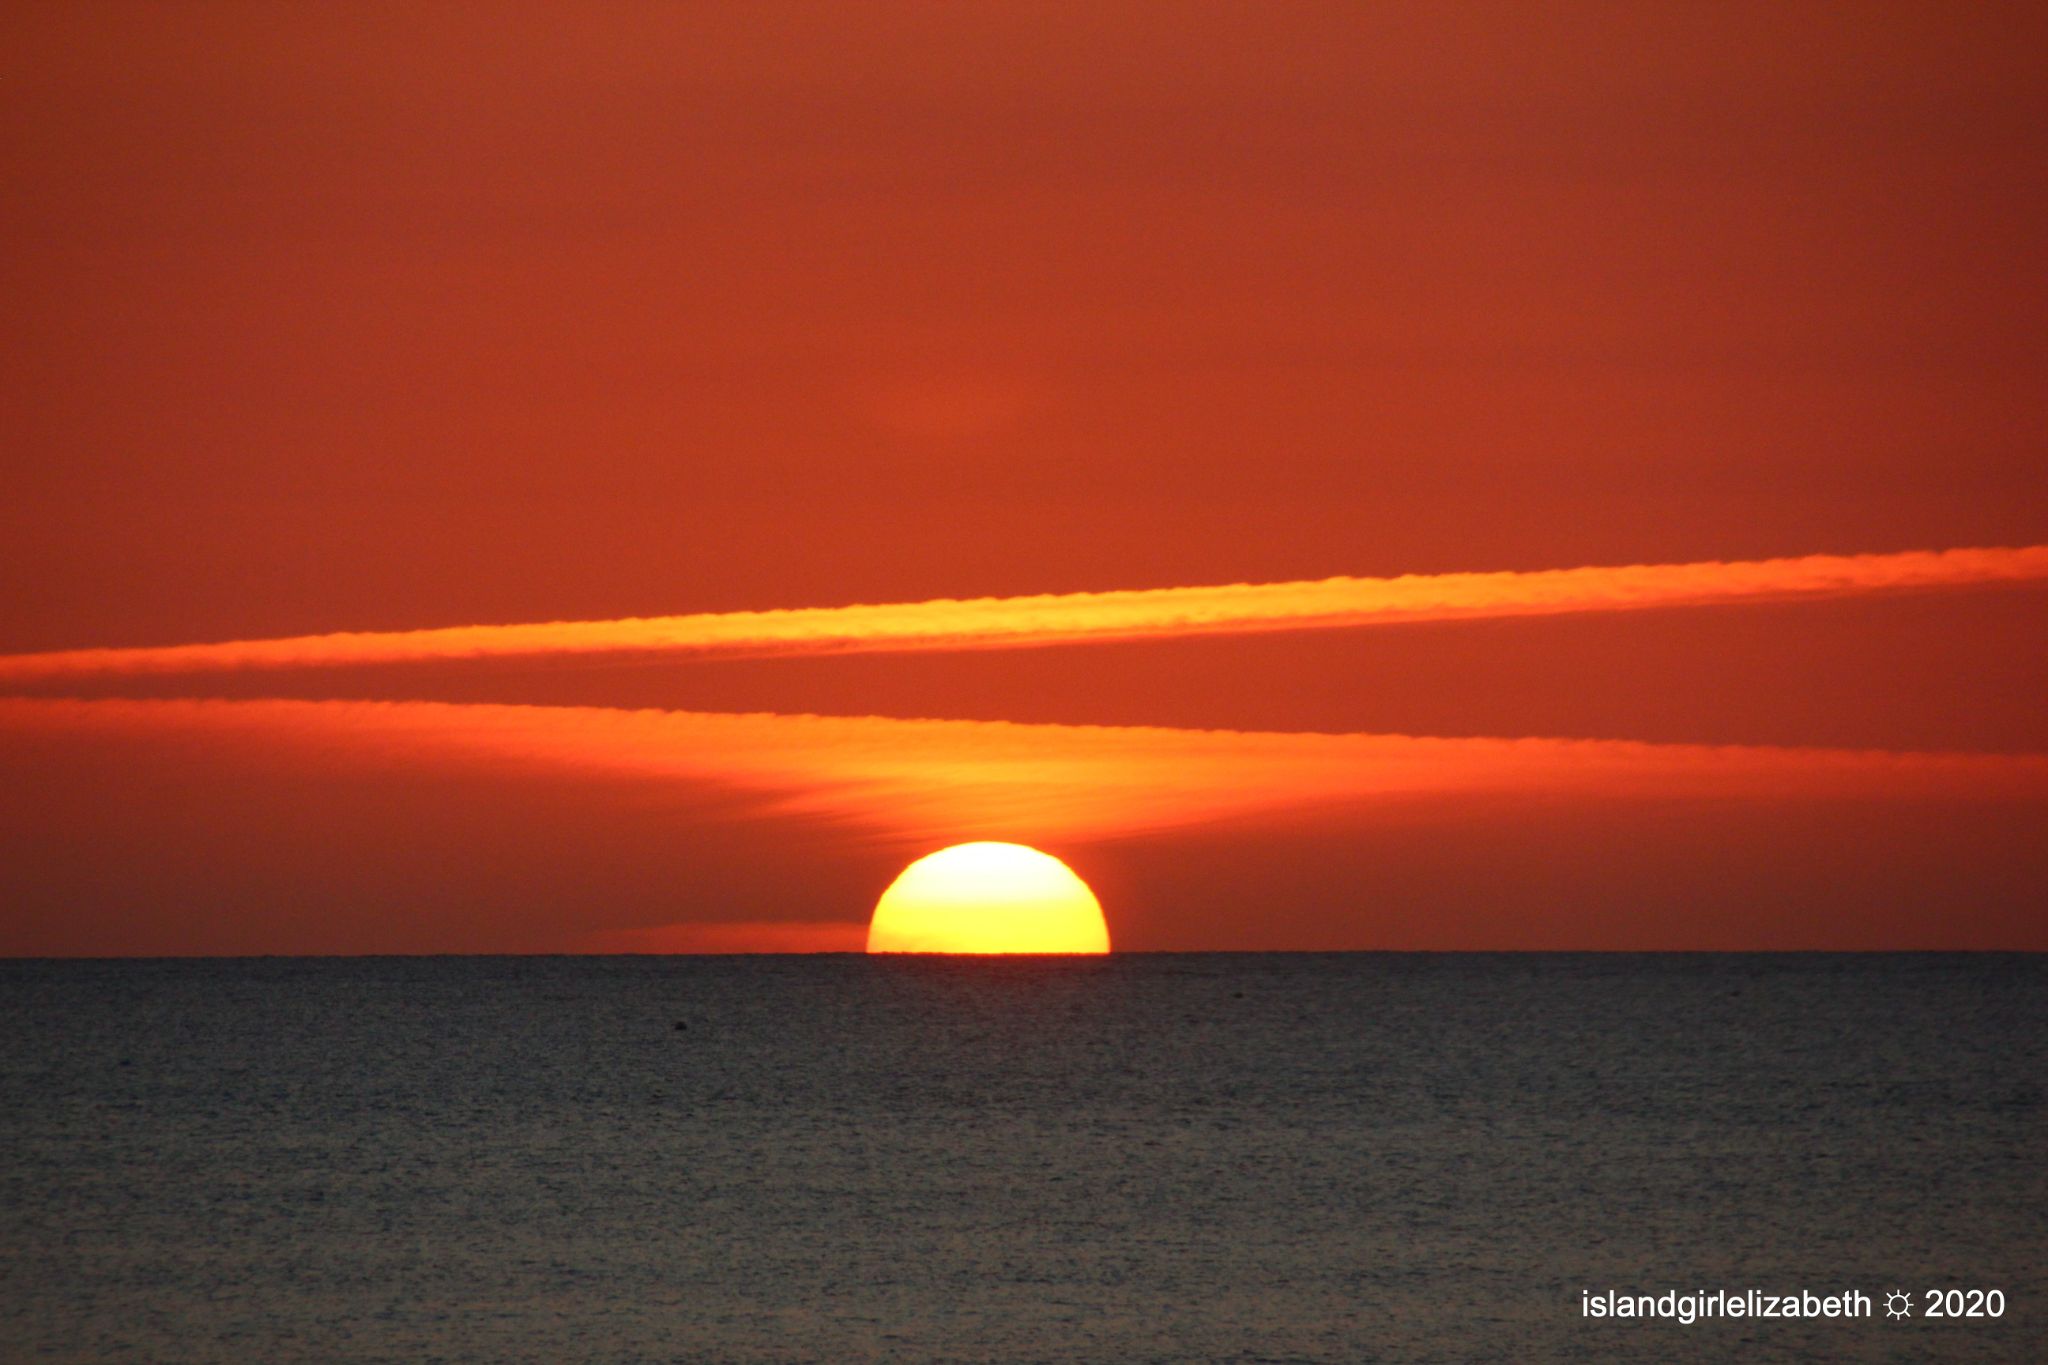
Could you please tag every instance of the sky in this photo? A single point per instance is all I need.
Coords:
(1469, 477)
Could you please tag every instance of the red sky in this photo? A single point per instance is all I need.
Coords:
(369, 319)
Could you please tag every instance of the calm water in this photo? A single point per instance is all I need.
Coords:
(1277, 1157)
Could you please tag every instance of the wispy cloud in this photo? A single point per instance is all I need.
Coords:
(749, 936)
(1009, 622)
(928, 781)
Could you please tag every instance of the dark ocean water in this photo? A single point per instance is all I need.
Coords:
(1278, 1157)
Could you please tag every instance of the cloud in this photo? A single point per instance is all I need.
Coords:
(750, 936)
(1051, 619)
(923, 782)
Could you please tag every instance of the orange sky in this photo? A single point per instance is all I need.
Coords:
(375, 320)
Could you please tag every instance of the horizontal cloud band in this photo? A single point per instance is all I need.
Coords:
(930, 781)
(1003, 622)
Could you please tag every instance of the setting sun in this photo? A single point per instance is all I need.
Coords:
(988, 898)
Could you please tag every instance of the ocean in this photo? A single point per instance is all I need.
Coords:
(1272, 1157)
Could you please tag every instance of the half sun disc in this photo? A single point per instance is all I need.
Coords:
(988, 898)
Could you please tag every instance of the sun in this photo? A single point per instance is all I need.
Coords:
(988, 898)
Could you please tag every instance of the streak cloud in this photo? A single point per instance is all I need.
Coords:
(920, 781)
(1051, 619)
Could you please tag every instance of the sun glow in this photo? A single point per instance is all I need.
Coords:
(988, 898)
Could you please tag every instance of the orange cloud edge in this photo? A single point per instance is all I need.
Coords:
(1050, 619)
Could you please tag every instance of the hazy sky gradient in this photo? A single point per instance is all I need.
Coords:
(389, 319)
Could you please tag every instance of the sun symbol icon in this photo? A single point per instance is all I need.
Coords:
(1898, 1304)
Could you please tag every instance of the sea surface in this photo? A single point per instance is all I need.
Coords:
(1348, 1157)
